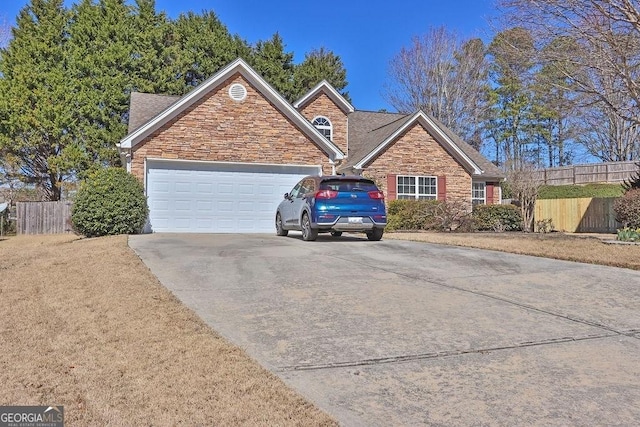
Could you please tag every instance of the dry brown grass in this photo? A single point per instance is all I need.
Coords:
(84, 324)
(563, 246)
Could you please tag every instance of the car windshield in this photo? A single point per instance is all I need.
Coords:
(348, 185)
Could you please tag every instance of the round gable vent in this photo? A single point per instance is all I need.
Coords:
(237, 92)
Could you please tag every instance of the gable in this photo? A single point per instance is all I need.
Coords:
(321, 105)
(417, 153)
(238, 67)
(401, 157)
(253, 128)
(326, 88)
(217, 128)
(434, 130)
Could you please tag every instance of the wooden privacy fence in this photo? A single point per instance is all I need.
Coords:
(43, 217)
(610, 172)
(586, 215)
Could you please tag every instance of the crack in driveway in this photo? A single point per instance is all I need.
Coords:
(495, 298)
(609, 331)
(437, 355)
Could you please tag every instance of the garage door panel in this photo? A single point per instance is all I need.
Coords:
(217, 197)
(225, 188)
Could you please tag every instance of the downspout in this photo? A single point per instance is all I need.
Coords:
(333, 166)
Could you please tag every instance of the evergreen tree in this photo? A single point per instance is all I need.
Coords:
(100, 69)
(319, 64)
(554, 109)
(37, 101)
(154, 51)
(202, 46)
(275, 65)
(510, 122)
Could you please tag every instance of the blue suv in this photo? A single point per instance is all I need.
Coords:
(332, 204)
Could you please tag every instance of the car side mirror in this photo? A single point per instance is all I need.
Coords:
(287, 196)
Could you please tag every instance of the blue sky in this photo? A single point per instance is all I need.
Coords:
(365, 34)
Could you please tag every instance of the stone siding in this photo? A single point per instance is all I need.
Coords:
(217, 128)
(417, 153)
(322, 105)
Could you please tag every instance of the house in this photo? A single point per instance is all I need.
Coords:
(219, 158)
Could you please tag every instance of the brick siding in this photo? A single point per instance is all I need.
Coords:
(216, 128)
(417, 153)
(322, 105)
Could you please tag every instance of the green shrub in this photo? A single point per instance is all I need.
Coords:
(410, 214)
(629, 235)
(497, 217)
(111, 201)
(579, 191)
(427, 215)
(627, 209)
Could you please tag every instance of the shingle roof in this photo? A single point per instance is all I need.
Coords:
(367, 130)
(145, 106)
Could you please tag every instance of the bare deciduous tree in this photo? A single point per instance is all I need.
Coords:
(607, 33)
(604, 66)
(524, 182)
(609, 137)
(443, 76)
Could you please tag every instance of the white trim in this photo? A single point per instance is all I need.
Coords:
(237, 66)
(330, 126)
(422, 118)
(217, 162)
(237, 92)
(417, 194)
(332, 93)
(484, 192)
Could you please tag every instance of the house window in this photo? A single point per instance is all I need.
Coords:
(417, 187)
(478, 193)
(324, 126)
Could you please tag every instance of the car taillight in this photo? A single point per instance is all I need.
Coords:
(377, 194)
(326, 194)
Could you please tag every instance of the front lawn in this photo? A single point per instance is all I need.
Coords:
(86, 325)
(565, 246)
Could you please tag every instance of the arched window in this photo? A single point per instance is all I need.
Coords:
(324, 126)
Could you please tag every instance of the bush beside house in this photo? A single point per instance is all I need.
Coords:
(627, 209)
(434, 215)
(111, 201)
(497, 218)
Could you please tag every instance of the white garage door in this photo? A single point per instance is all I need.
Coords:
(200, 197)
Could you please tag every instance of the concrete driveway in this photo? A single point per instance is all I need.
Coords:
(404, 333)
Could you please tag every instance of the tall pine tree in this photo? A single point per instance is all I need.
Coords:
(275, 65)
(36, 106)
(101, 65)
(201, 46)
(319, 64)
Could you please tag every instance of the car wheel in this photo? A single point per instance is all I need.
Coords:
(375, 234)
(308, 233)
(336, 233)
(280, 231)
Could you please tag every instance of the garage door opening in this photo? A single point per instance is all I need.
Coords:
(216, 197)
